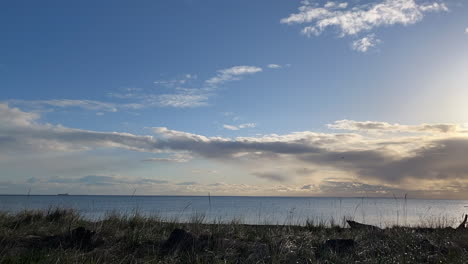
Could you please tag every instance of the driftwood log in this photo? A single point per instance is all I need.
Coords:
(357, 225)
(463, 224)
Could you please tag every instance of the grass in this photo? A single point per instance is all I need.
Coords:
(48, 237)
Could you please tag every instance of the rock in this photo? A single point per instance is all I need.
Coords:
(180, 239)
(81, 235)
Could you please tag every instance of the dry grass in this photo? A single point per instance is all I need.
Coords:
(43, 237)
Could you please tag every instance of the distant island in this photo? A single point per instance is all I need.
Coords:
(63, 194)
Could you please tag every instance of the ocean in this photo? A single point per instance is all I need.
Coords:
(382, 212)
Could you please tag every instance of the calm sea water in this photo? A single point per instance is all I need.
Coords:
(254, 210)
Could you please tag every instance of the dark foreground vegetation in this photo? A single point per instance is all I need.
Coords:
(62, 236)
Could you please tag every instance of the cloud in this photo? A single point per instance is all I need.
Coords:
(352, 188)
(331, 5)
(204, 171)
(308, 187)
(274, 66)
(305, 171)
(394, 156)
(178, 157)
(230, 127)
(466, 30)
(272, 176)
(65, 103)
(105, 180)
(232, 74)
(186, 78)
(196, 97)
(14, 117)
(360, 18)
(187, 183)
(364, 44)
(238, 127)
(183, 100)
(138, 98)
(22, 132)
(387, 127)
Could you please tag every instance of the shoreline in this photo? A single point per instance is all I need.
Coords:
(64, 236)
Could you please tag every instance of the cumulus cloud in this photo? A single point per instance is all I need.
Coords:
(14, 117)
(350, 21)
(333, 5)
(365, 43)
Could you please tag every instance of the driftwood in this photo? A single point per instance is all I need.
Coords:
(463, 224)
(357, 225)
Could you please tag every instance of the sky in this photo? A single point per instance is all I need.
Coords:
(269, 98)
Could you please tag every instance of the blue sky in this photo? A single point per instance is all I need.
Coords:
(221, 74)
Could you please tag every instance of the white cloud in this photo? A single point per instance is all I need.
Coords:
(137, 98)
(63, 103)
(364, 44)
(232, 74)
(230, 127)
(274, 66)
(360, 18)
(199, 97)
(342, 5)
(14, 117)
(238, 127)
(335, 5)
(248, 125)
(186, 78)
(182, 100)
(466, 30)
